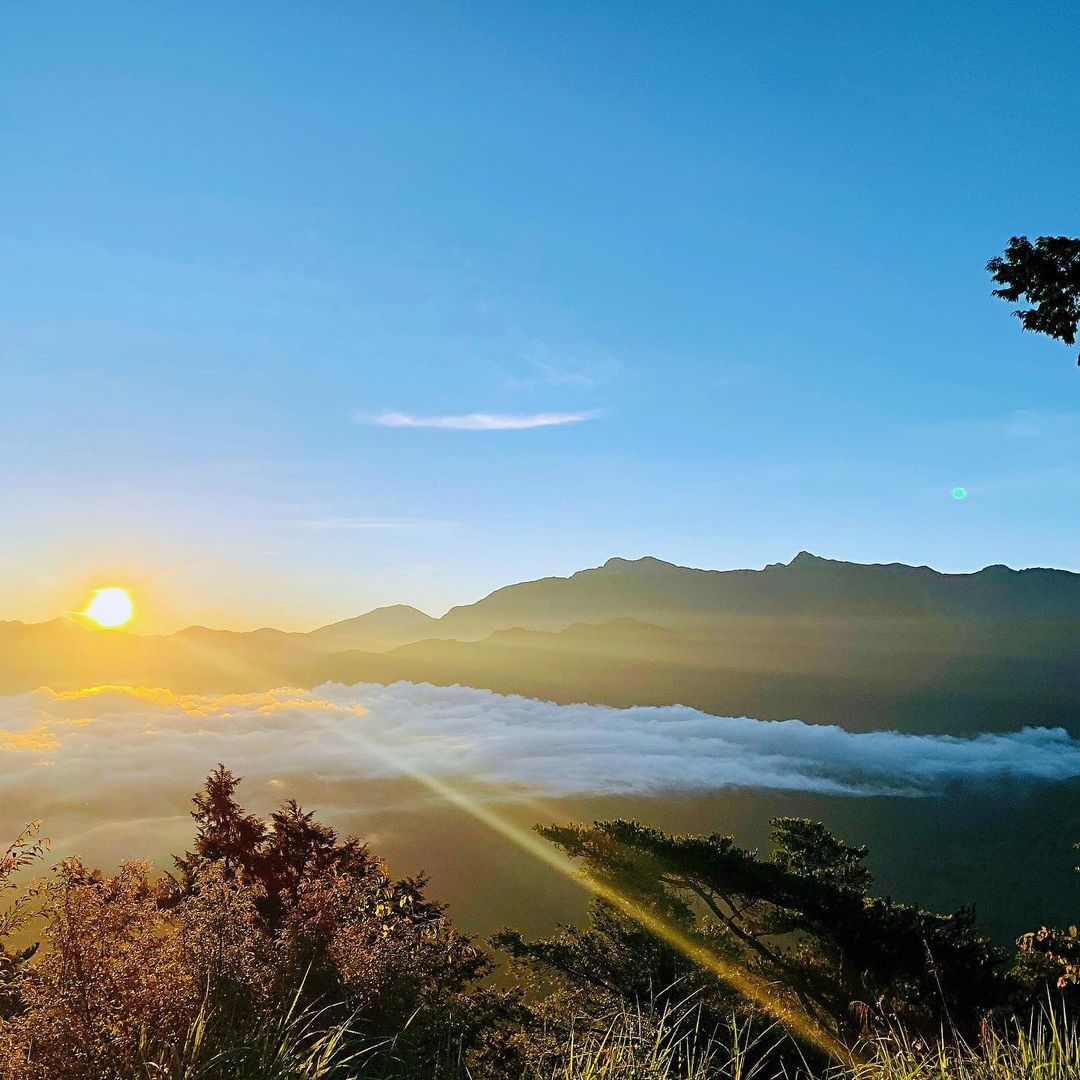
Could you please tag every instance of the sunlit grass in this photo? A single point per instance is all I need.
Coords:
(633, 1047)
(672, 1047)
(295, 1044)
(633, 1044)
(1046, 1048)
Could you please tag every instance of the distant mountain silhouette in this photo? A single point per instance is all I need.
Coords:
(375, 631)
(866, 646)
(661, 592)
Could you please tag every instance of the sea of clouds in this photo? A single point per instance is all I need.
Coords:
(79, 742)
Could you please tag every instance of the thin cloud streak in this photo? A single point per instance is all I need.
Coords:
(333, 523)
(540, 371)
(475, 421)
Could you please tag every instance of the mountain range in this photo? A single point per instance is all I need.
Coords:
(866, 646)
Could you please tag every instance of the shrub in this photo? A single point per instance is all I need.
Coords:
(261, 919)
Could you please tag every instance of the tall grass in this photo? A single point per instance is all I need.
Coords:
(1046, 1048)
(673, 1046)
(634, 1048)
(294, 1044)
(633, 1045)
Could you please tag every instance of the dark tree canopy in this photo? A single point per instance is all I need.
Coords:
(265, 920)
(802, 918)
(277, 940)
(1046, 275)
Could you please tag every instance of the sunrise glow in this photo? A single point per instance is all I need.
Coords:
(110, 608)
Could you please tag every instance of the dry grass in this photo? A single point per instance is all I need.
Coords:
(632, 1048)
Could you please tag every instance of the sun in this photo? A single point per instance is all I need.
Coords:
(110, 608)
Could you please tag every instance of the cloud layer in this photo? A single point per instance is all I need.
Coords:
(475, 421)
(78, 744)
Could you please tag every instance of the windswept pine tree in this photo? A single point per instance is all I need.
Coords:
(801, 920)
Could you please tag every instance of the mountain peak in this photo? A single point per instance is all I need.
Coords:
(808, 558)
(646, 562)
(375, 630)
(805, 560)
(391, 613)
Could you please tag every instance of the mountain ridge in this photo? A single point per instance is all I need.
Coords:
(651, 589)
(648, 566)
(864, 645)
(404, 619)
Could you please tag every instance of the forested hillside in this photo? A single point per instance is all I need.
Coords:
(276, 948)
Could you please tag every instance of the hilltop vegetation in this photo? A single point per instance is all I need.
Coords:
(277, 948)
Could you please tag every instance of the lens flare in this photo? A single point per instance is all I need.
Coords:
(959, 493)
(767, 996)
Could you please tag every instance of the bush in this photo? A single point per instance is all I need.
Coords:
(278, 951)
(261, 919)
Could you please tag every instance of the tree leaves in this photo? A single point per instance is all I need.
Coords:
(1046, 274)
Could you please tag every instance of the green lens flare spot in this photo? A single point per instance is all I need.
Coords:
(959, 493)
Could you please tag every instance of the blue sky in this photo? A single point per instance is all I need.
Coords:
(740, 246)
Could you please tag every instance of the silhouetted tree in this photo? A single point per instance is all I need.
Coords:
(801, 919)
(261, 916)
(224, 832)
(1046, 274)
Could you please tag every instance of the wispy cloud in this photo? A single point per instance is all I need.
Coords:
(330, 523)
(1028, 424)
(536, 369)
(476, 421)
(553, 375)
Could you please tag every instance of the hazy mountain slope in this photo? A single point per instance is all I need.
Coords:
(64, 654)
(628, 638)
(925, 675)
(660, 592)
(374, 631)
(832, 642)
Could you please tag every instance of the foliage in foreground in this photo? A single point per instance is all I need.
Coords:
(1046, 275)
(638, 1045)
(262, 923)
(631, 1048)
(800, 925)
(277, 950)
